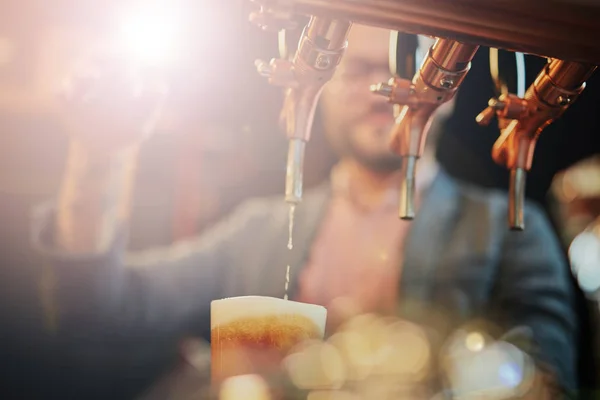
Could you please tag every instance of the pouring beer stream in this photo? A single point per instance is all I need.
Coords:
(290, 246)
(320, 49)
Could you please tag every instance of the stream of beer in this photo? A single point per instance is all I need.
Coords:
(290, 246)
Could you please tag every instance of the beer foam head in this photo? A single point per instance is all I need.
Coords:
(230, 309)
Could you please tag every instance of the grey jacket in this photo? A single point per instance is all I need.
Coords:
(460, 260)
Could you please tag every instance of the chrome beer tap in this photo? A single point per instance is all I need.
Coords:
(566, 35)
(521, 120)
(320, 49)
(436, 82)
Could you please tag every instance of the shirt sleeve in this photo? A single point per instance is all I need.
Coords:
(160, 290)
(535, 292)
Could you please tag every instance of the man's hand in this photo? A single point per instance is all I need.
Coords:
(108, 111)
(107, 106)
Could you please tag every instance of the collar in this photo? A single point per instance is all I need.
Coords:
(344, 185)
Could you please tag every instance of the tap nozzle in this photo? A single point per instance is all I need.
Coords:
(406, 209)
(294, 170)
(416, 101)
(516, 203)
(263, 68)
(320, 49)
(523, 120)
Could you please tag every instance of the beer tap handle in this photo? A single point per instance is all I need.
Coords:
(436, 82)
(282, 45)
(554, 90)
(403, 54)
(321, 46)
(320, 50)
(279, 72)
(506, 108)
(505, 105)
(403, 67)
(485, 117)
(490, 112)
(383, 89)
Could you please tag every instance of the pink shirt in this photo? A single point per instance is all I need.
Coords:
(356, 257)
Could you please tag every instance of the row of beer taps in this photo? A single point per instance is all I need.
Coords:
(520, 119)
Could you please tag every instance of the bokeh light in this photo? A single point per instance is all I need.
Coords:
(367, 357)
(316, 365)
(476, 367)
(475, 341)
(584, 254)
(248, 387)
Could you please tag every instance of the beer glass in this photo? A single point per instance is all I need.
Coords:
(252, 334)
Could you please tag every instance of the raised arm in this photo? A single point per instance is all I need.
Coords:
(83, 236)
(108, 111)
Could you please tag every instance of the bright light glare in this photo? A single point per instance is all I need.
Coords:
(150, 37)
(249, 387)
(584, 254)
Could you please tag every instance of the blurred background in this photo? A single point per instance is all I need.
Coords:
(188, 178)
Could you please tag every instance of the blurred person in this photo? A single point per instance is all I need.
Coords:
(578, 192)
(464, 153)
(350, 250)
(578, 213)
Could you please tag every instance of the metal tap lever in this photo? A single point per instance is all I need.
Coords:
(521, 121)
(505, 108)
(320, 49)
(436, 82)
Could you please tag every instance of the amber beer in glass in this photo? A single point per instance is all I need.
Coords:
(252, 334)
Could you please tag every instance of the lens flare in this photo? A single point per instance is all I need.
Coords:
(150, 36)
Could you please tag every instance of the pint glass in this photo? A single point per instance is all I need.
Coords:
(252, 334)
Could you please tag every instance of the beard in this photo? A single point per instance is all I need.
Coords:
(369, 146)
(377, 158)
(364, 137)
(381, 164)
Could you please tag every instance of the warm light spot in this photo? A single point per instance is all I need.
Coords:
(316, 365)
(584, 254)
(383, 256)
(332, 395)
(406, 352)
(247, 387)
(475, 341)
(356, 353)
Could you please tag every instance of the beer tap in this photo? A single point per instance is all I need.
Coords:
(441, 73)
(521, 120)
(320, 49)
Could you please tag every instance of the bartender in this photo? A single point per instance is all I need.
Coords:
(457, 259)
